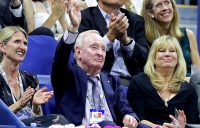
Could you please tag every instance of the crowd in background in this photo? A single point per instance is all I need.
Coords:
(116, 44)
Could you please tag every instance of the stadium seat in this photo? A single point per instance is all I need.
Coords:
(39, 57)
(38, 61)
(8, 118)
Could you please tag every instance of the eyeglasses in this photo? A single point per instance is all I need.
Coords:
(160, 5)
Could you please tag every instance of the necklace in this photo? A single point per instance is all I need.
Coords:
(48, 9)
(14, 85)
(165, 101)
(18, 81)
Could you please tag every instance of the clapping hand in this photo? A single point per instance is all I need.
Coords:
(27, 96)
(42, 96)
(117, 28)
(58, 8)
(180, 122)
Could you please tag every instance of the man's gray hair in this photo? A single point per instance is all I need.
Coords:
(81, 36)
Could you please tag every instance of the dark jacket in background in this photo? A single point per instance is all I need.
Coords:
(7, 18)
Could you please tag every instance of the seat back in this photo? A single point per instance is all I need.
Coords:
(40, 54)
(38, 61)
(50, 107)
(8, 117)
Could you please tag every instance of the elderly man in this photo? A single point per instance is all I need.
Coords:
(84, 94)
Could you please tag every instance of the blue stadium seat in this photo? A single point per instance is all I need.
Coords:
(50, 107)
(38, 61)
(39, 57)
(8, 118)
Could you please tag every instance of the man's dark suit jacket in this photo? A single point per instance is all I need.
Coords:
(93, 19)
(70, 88)
(195, 81)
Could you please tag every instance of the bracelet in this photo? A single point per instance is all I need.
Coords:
(14, 7)
(20, 104)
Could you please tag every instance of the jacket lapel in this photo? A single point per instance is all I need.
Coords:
(82, 81)
(108, 92)
(100, 21)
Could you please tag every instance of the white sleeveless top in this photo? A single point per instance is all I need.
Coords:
(41, 17)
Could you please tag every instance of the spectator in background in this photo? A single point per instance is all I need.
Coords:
(90, 3)
(161, 90)
(20, 90)
(11, 13)
(134, 5)
(123, 33)
(162, 18)
(187, 2)
(51, 14)
(130, 6)
(195, 81)
(138, 5)
(82, 4)
(193, 2)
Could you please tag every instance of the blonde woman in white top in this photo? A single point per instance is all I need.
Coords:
(46, 13)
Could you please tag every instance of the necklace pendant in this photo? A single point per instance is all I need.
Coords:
(166, 104)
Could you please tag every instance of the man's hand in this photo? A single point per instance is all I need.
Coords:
(117, 27)
(125, 39)
(130, 122)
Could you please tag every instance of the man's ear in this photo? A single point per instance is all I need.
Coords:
(77, 51)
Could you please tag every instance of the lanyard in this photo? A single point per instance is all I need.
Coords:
(91, 100)
(20, 83)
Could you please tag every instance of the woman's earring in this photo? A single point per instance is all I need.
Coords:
(152, 16)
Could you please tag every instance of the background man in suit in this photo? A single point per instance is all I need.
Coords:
(74, 90)
(123, 34)
(11, 13)
(195, 81)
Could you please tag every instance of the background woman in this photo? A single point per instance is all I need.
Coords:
(18, 89)
(162, 18)
(161, 90)
(46, 13)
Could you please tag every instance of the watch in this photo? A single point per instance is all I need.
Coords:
(131, 40)
(15, 7)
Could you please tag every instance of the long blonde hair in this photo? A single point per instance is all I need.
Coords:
(179, 71)
(151, 29)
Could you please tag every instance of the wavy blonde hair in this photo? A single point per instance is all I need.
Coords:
(179, 71)
(151, 30)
